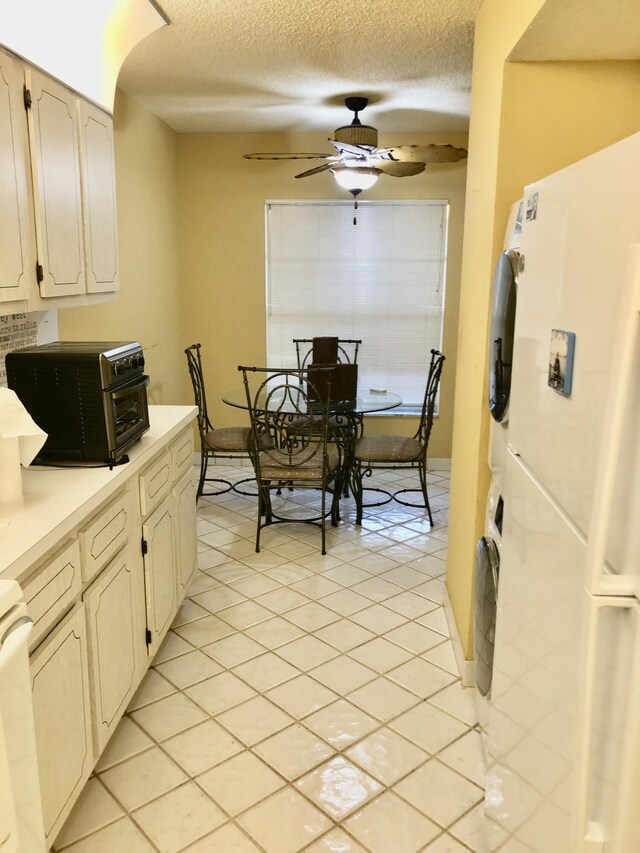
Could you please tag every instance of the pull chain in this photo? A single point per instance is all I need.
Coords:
(355, 207)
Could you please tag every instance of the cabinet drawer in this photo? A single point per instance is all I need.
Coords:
(155, 482)
(182, 454)
(51, 589)
(105, 535)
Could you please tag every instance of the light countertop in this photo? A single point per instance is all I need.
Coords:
(56, 500)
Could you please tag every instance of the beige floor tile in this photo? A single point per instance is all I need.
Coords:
(338, 787)
(388, 823)
(378, 619)
(376, 588)
(335, 841)
(293, 550)
(374, 563)
(188, 611)
(238, 550)
(188, 669)
(293, 751)
(240, 782)
(317, 561)
(344, 635)
(211, 558)
(220, 692)
(202, 747)
(382, 699)
(312, 616)
(386, 755)
(402, 553)
(264, 560)
(285, 822)
(404, 576)
(445, 844)
(465, 756)
(172, 647)
(457, 700)
(347, 575)
(235, 649)
(341, 723)
(94, 808)
(219, 598)
(255, 720)
(121, 835)
(205, 630)
(142, 778)
(266, 671)
(282, 599)
(230, 571)
(127, 740)
(439, 792)
(413, 637)
(152, 688)
(301, 696)
(254, 585)
(421, 677)
(202, 582)
(346, 601)
(179, 817)
(289, 573)
(243, 615)
(307, 652)
(274, 632)
(342, 674)
(432, 589)
(316, 586)
(429, 727)
(227, 839)
(469, 830)
(444, 657)
(168, 716)
(381, 655)
(436, 620)
(411, 605)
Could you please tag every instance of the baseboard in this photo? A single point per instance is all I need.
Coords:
(439, 464)
(466, 667)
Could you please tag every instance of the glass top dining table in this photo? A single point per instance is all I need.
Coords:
(367, 402)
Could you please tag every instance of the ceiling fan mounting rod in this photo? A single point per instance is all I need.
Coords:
(356, 105)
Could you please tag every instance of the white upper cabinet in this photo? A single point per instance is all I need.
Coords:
(17, 259)
(53, 134)
(99, 198)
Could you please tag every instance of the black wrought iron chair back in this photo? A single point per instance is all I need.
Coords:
(222, 443)
(391, 452)
(297, 458)
(347, 351)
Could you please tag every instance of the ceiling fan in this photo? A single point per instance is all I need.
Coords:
(358, 162)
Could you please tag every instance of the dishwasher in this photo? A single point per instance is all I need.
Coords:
(21, 824)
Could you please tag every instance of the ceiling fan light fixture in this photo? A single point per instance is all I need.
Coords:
(356, 178)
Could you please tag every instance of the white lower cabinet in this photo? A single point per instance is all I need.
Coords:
(184, 503)
(62, 718)
(159, 571)
(116, 624)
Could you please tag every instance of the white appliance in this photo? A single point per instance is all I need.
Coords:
(564, 727)
(21, 824)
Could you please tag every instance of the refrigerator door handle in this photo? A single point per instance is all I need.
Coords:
(629, 336)
(598, 829)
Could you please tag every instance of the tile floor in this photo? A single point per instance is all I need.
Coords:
(300, 702)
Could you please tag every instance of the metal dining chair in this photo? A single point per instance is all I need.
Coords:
(390, 452)
(344, 349)
(221, 443)
(296, 458)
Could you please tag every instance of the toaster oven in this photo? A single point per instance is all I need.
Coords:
(89, 397)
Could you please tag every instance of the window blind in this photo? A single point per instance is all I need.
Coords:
(382, 280)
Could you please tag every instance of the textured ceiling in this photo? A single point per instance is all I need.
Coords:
(287, 65)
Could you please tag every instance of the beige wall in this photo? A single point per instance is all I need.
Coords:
(527, 120)
(150, 304)
(222, 251)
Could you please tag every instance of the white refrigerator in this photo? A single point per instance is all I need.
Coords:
(564, 728)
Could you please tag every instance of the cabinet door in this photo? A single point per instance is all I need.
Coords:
(184, 502)
(53, 138)
(17, 267)
(62, 718)
(116, 622)
(159, 571)
(99, 198)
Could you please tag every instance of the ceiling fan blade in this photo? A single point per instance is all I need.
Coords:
(352, 150)
(289, 156)
(400, 170)
(434, 153)
(317, 170)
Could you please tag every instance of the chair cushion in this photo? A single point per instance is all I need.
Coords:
(388, 448)
(229, 439)
(275, 465)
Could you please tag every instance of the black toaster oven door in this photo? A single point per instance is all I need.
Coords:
(126, 414)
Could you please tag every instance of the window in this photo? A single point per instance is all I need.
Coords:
(381, 280)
